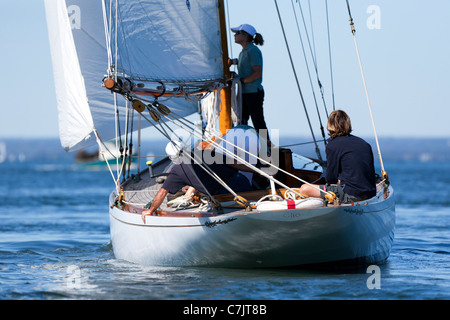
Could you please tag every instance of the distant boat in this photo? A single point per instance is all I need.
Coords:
(158, 63)
(2, 152)
(109, 157)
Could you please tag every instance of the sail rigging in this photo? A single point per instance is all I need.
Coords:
(123, 65)
(168, 43)
(162, 57)
(352, 26)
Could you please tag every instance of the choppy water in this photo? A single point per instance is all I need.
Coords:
(54, 244)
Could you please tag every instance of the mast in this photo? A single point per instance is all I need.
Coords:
(225, 95)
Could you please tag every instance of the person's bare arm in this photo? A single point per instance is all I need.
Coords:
(159, 198)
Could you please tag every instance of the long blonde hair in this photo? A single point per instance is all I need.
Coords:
(339, 124)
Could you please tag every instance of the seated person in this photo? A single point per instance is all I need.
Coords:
(188, 173)
(350, 172)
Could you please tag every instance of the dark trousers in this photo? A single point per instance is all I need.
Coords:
(181, 175)
(252, 106)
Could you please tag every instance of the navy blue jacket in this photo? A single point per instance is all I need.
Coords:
(350, 160)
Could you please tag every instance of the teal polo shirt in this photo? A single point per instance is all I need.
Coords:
(249, 57)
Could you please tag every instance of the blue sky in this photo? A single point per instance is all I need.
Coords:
(405, 50)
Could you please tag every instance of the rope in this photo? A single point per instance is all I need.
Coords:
(329, 55)
(108, 36)
(242, 161)
(312, 49)
(176, 118)
(100, 143)
(309, 72)
(383, 172)
(213, 175)
(298, 144)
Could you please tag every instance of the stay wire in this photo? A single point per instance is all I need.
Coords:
(298, 84)
(215, 144)
(352, 25)
(313, 53)
(309, 72)
(329, 55)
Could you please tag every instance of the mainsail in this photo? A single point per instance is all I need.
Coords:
(167, 42)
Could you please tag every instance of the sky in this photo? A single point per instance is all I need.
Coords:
(404, 47)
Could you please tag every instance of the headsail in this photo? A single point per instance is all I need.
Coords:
(161, 41)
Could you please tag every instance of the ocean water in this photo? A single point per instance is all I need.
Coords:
(54, 244)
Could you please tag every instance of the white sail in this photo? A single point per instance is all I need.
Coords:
(172, 41)
(80, 57)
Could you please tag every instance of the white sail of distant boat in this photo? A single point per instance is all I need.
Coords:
(121, 66)
(2, 152)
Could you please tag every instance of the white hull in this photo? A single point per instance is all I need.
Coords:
(360, 234)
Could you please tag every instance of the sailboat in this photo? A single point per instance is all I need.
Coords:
(99, 159)
(121, 66)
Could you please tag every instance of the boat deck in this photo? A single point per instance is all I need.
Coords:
(139, 192)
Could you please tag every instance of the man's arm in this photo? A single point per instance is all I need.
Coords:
(159, 198)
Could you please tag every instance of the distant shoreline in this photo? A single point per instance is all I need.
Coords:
(392, 149)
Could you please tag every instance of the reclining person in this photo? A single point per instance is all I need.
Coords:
(190, 173)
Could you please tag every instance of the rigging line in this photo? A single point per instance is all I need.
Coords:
(329, 55)
(261, 172)
(257, 170)
(240, 160)
(298, 144)
(107, 36)
(214, 175)
(125, 44)
(352, 25)
(164, 132)
(157, 31)
(118, 132)
(161, 124)
(243, 161)
(312, 30)
(115, 38)
(298, 84)
(172, 113)
(139, 142)
(193, 132)
(313, 53)
(108, 27)
(202, 165)
(100, 143)
(154, 126)
(309, 74)
(125, 151)
(130, 145)
(229, 30)
(117, 129)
